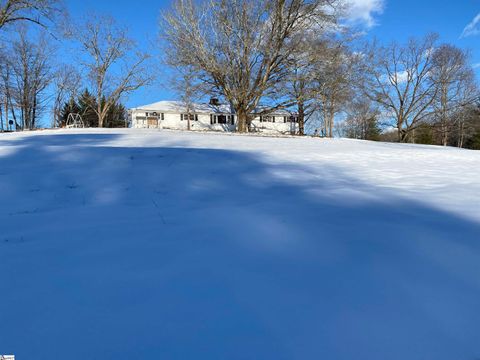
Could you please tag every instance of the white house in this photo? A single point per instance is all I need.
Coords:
(212, 117)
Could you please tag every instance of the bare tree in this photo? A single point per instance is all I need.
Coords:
(362, 120)
(399, 80)
(66, 84)
(466, 131)
(300, 85)
(39, 12)
(28, 74)
(240, 48)
(185, 83)
(335, 80)
(465, 119)
(115, 66)
(454, 78)
(7, 89)
(33, 11)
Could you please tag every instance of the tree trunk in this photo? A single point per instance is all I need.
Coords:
(23, 118)
(403, 135)
(242, 121)
(6, 114)
(301, 118)
(34, 113)
(462, 135)
(444, 104)
(101, 116)
(445, 134)
(14, 117)
(331, 116)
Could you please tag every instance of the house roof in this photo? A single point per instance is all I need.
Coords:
(281, 112)
(180, 107)
(199, 108)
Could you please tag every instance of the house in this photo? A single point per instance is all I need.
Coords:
(207, 117)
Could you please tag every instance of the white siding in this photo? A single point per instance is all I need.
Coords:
(173, 121)
(277, 127)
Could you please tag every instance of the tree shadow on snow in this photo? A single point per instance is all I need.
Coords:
(183, 253)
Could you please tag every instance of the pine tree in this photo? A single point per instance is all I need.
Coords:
(424, 134)
(70, 107)
(88, 104)
(474, 141)
(116, 116)
(373, 131)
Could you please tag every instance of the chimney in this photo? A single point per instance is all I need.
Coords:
(214, 101)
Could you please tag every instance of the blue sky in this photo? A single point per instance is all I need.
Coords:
(401, 19)
(387, 20)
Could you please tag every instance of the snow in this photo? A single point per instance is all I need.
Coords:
(143, 244)
(180, 107)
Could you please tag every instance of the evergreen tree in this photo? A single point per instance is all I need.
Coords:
(473, 142)
(88, 104)
(116, 116)
(424, 134)
(373, 130)
(363, 127)
(70, 107)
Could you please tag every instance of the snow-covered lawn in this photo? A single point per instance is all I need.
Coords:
(124, 244)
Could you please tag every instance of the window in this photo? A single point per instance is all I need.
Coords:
(267, 118)
(221, 119)
(186, 117)
(155, 115)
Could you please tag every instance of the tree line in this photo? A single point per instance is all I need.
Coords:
(299, 55)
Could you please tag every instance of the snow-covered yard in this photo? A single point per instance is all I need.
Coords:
(135, 244)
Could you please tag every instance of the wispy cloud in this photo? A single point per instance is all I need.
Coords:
(476, 66)
(363, 12)
(473, 28)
